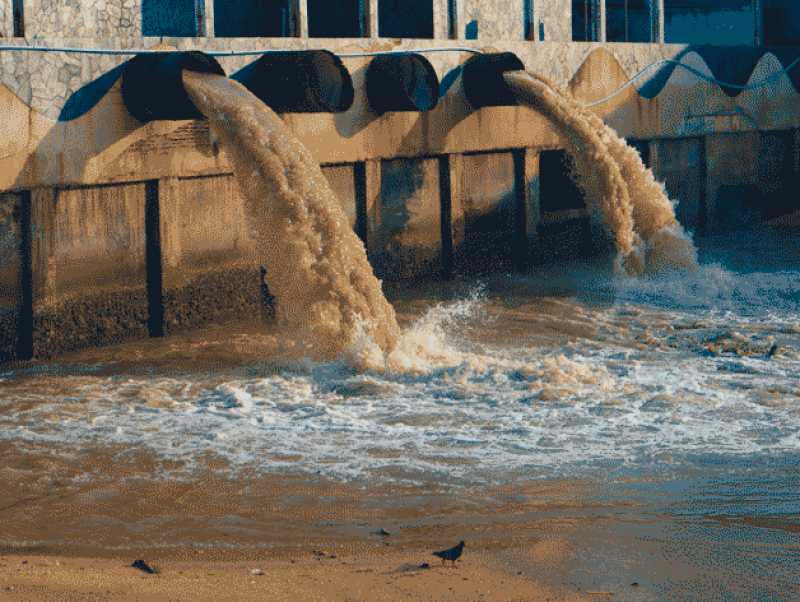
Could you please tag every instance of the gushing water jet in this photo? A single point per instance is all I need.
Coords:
(316, 266)
(620, 191)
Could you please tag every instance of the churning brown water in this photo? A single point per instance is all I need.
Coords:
(316, 266)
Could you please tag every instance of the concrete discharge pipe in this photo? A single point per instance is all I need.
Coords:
(301, 81)
(402, 82)
(483, 81)
(152, 84)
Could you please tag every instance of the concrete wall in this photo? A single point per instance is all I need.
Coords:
(406, 229)
(207, 250)
(489, 206)
(732, 176)
(89, 272)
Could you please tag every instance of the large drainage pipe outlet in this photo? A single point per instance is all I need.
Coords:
(299, 81)
(152, 84)
(483, 82)
(403, 82)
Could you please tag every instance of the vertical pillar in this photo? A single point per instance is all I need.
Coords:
(657, 21)
(601, 21)
(455, 12)
(24, 350)
(299, 10)
(368, 201)
(450, 168)
(706, 207)
(205, 18)
(152, 233)
(369, 19)
(441, 19)
(530, 197)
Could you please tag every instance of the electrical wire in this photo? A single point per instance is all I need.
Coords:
(641, 73)
(222, 52)
(699, 74)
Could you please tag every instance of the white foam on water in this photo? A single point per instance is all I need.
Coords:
(639, 385)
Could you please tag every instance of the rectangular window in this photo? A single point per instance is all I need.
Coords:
(405, 19)
(252, 18)
(629, 20)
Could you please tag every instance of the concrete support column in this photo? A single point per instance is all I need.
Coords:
(299, 10)
(661, 21)
(526, 171)
(368, 201)
(7, 18)
(656, 21)
(204, 9)
(153, 262)
(456, 26)
(450, 170)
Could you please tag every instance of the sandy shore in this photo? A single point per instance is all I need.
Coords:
(354, 574)
(76, 525)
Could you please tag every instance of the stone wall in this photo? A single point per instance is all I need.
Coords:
(76, 18)
(88, 257)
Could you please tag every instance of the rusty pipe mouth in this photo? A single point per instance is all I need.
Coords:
(402, 82)
(300, 81)
(484, 85)
(152, 84)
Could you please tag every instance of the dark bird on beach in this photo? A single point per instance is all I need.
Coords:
(451, 554)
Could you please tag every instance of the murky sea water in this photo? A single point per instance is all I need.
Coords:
(608, 375)
(677, 395)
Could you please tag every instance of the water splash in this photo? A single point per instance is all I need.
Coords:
(316, 267)
(620, 191)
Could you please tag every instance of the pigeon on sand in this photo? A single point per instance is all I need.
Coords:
(451, 554)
